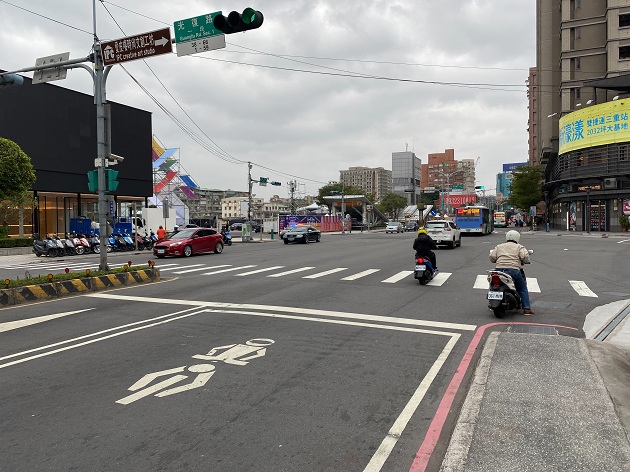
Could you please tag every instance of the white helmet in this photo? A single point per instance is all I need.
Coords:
(513, 236)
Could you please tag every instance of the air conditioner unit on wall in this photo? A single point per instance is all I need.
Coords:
(610, 183)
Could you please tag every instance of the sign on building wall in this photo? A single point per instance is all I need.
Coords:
(514, 166)
(595, 126)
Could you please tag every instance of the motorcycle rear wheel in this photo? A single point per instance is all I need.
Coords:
(499, 311)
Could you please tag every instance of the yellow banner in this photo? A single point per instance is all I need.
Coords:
(595, 126)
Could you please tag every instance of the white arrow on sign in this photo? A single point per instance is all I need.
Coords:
(161, 42)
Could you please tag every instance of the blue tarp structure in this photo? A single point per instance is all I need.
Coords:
(187, 179)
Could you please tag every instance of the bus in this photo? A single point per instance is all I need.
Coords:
(474, 219)
(500, 220)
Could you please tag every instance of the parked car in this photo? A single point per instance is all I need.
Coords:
(444, 232)
(411, 226)
(302, 234)
(239, 227)
(394, 227)
(189, 241)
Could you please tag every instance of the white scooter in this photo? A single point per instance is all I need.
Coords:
(502, 294)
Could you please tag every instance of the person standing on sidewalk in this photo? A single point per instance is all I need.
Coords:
(509, 257)
(161, 233)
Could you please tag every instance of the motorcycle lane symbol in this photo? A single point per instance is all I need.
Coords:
(234, 354)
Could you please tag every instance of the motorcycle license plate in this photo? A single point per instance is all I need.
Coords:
(495, 295)
(421, 267)
(160, 251)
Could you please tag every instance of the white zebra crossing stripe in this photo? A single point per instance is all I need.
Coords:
(361, 274)
(399, 276)
(532, 285)
(481, 282)
(258, 271)
(288, 272)
(205, 267)
(582, 289)
(439, 279)
(326, 272)
(179, 267)
(229, 270)
(165, 265)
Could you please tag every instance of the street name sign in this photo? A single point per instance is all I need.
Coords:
(198, 27)
(136, 47)
(46, 75)
(201, 45)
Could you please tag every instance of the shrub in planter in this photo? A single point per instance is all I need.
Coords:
(624, 221)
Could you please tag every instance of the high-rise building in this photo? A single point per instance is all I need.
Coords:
(406, 176)
(376, 181)
(442, 171)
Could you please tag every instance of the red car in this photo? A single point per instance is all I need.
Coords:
(189, 241)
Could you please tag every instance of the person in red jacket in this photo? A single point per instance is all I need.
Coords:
(161, 232)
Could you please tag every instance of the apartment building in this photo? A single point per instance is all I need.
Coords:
(376, 181)
(406, 176)
(442, 171)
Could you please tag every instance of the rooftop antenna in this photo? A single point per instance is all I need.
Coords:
(406, 147)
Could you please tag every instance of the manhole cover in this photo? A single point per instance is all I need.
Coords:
(533, 329)
(552, 305)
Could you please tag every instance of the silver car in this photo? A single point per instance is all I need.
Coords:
(394, 227)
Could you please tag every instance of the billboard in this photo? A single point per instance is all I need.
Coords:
(514, 166)
(595, 126)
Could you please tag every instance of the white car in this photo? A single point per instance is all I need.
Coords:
(444, 232)
(394, 227)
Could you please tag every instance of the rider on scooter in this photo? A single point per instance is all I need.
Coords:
(423, 246)
(509, 257)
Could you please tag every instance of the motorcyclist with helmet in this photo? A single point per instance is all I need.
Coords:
(423, 245)
(509, 257)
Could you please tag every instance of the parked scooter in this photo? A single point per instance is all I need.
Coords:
(424, 271)
(62, 249)
(502, 294)
(42, 248)
(51, 244)
(83, 241)
(76, 242)
(130, 244)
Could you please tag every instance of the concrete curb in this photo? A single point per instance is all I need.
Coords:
(47, 291)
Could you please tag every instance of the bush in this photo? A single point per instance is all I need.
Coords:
(16, 242)
(624, 221)
(43, 279)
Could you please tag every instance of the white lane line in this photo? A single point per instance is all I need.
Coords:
(582, 289)
(178, 267)
(229, 270)
(532, 285)
(301, 269)
(326, 272)
(623, 241)
(266, 269)
(205, 267)
(9, 325)
(399, 276)
(165, 265)
(361, 274)
(439, 279)
(286, 309)
(481, 282)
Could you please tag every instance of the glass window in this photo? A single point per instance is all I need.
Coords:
(624, 20)
(624, 53)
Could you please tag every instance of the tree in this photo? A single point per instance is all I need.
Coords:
(393, 203)
(527, 188)
(337, 188)
(17, 176)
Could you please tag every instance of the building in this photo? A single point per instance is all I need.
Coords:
(205, 203)
(406, 176)
(443, 172)
(579, 102)
(237, 207)
(504, 179)
(375, 181)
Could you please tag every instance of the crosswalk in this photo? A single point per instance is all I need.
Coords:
(343, 274)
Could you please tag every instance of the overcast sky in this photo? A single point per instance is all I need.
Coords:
(321, 86)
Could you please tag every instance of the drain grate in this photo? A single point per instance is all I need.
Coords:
(551, 305)
(533, 329)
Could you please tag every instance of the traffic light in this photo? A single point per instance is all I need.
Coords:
(479, 187)
(110, 177)
(93, 180)
(236, 22)
(8, 80)
(273, 182)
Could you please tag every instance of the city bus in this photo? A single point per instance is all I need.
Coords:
(500, 219)
(474, 219)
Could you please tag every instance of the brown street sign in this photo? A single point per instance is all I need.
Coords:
(136, 47)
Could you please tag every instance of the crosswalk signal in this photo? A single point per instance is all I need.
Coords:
(236, 22)
(110, 177)
(93, 180)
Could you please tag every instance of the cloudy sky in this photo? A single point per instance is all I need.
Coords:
(321, 86)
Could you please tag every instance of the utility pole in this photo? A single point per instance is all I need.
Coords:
(292, 191)
(250, 184)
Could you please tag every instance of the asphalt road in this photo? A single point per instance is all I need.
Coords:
(269, 357)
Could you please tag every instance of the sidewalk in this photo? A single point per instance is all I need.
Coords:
(541, 402)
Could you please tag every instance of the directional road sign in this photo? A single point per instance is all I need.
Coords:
(46, 75)
(136, 47)
(198, 27)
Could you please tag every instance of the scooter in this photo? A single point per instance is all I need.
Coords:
(87, 247)
(502, 294)
(53, 249)
(424, 271)
(41, 248)
(130, 243)
(79, 249)
(62, 250)
(227, 238)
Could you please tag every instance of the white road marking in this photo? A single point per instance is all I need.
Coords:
(623, 241)
(399, 276)
(439, 279)
(177, 266)
(326, 272)
(165, 265)
(301, 269)
(9, 325)
(361, 274)
(582, 289)
(532, 285)
(258, 271)
(229, 270)
(205, 267)
(481, 282)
